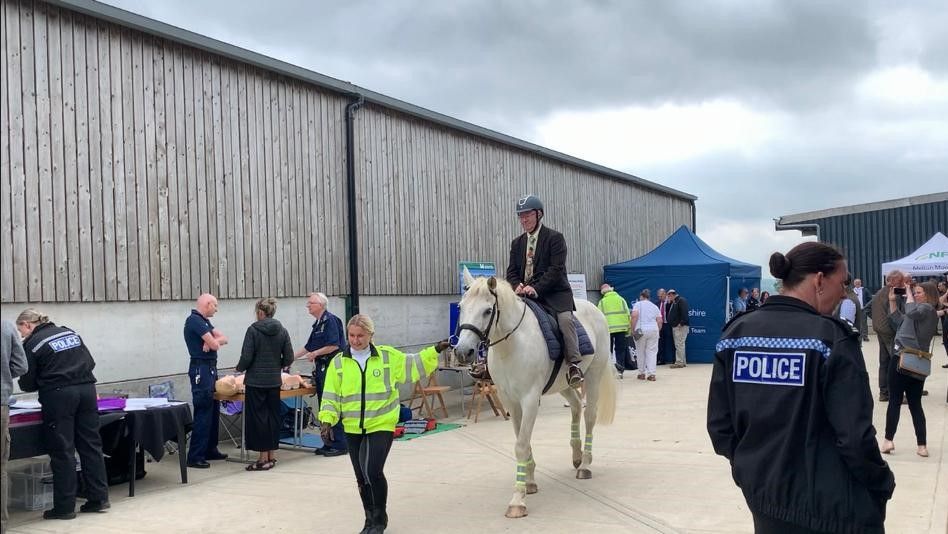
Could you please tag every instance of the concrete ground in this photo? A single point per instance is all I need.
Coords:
(653, 471)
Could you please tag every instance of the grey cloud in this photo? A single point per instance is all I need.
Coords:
(527, 58)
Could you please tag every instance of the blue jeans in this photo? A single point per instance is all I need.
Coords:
(204, 435)
(319, 378)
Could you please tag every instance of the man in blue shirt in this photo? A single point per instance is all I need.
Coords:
(325, 341)
(740, 303)
(203, 342)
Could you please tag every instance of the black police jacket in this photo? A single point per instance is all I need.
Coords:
(57, 357)
(790, 407)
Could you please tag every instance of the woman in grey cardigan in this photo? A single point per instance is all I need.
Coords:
(266, 351)
(914, 330)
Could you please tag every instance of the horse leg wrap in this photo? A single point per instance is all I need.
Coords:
(521, 476)
(589, 444)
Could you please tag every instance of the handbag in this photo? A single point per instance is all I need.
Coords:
(915, 363)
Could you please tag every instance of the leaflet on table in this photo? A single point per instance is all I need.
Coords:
(29, 404)
(138, 404)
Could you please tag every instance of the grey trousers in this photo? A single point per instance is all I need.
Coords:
(570, 341)
(886, 352)
(4, 457)
(680, 333)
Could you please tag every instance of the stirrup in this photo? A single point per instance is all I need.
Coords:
(574, 375)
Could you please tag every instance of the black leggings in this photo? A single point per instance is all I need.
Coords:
(912, 388)
(368, 453)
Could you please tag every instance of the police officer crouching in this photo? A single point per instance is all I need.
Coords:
(790, 406)
(61, 370)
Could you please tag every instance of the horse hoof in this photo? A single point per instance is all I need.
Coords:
(577, 463)
(532, 488)
(515, 512)
(584, 474)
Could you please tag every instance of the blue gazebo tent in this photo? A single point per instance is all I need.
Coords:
(700, 274)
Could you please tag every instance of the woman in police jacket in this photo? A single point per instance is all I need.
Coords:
(790, 407)
(60, 368)
(361, 389)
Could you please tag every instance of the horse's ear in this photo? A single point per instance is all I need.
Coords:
(492, 282)
(468, 279)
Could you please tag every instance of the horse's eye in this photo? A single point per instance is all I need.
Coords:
(486, 313)
(466, 288)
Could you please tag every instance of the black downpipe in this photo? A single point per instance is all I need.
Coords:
(351, 108)
(694, 218)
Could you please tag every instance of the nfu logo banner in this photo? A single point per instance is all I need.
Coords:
(941, 255)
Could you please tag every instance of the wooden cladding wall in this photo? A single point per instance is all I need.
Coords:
(133, 168)
(430, 197)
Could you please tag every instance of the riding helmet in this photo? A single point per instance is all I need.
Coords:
(529, 203)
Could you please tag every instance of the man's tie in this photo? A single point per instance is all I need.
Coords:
(531, 249)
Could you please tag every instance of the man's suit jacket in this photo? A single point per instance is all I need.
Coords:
(549, 269)
(677, 314)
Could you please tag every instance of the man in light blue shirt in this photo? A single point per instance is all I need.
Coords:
(740, 303)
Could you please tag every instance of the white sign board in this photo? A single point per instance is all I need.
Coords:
(577, 282)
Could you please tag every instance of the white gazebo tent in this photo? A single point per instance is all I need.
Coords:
(931, 259)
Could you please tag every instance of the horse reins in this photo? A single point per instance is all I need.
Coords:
(484, 336)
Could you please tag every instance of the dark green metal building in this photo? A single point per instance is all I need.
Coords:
(872, 234)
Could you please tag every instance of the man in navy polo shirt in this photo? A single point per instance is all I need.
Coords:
(203, 342)
(325, 341)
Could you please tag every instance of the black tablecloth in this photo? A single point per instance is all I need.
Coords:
(151, 428)
(26, 440)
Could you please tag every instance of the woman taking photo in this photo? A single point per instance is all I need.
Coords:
(266, 351)
(914, 332)
(361, 389)
(790, 406)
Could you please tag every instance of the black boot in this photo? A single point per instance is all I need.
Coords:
(380, 520)
(369, 511)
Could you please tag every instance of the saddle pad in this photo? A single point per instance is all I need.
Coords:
(551, 332)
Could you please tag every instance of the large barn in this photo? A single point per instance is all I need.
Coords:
(143, 165)
(874, 233)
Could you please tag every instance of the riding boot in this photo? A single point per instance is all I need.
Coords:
(369, 510)
(379, 520)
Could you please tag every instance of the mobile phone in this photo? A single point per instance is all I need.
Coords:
(900, 291)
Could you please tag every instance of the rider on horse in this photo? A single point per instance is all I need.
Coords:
(537, 269)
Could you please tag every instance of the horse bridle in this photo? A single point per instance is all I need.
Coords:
(484, 335)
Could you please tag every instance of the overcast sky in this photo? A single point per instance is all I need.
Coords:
(759, 108)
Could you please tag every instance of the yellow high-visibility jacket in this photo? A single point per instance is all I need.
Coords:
(616, 310)
(367, 401)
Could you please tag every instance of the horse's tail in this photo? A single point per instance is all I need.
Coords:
(606, 409)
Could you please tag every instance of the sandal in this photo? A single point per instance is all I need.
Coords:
(257, 466)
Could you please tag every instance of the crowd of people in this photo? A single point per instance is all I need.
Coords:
(656, 330)
(780, 359)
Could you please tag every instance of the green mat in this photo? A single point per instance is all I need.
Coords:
(442, 427)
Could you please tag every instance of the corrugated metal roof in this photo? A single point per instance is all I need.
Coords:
(872, 234)
(810, 216)
(173, 33)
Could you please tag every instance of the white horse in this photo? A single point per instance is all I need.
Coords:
(492, 314)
